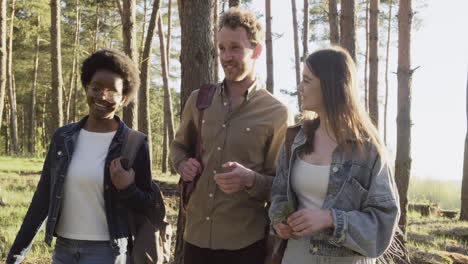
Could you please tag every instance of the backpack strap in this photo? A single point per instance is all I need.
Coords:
(204, 99)
(291, 133)
(133, 141)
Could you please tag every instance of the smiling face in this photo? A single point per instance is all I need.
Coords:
(104, 94)
(236, 53)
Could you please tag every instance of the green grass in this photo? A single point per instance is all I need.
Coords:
(446, 194)
(20, 165)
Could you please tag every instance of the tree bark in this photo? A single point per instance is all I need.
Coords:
(333, 20)
(130, 112)
(404, 75)
(3, 56)
(196, 49)
(71, 96)
(144, 123)
(11, 87)
(215, 39)
(234, 3)
(348, 27)
(168, 115)
(464, 189)
(269, 48)
(387, 56)
(56, 61)
(76, 56)
(366, 61)
(305, 31)
(374, 62)
(143, 30)
(296, 50)
(32, 113)
(96, 27)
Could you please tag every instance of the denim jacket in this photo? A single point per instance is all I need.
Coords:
(361, 196)
(48, 196)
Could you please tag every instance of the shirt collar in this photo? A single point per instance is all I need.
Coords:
(251, 91)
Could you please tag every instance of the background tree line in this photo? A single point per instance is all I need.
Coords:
(43, 43)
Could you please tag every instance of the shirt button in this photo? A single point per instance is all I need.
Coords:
(210, 195)
(223, 125)
(203, 121)
(247, 129)
(214, 172)
(59, 152)
(219, 148)
(335, 169)
(207, 218)
(225, 103)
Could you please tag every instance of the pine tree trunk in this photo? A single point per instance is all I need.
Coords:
(32, 113)
(130, 112)
(348, 27)
(297, 59)
(144, 123)
(366, 61)
(165, 147)
(169, 34)
(269, 48)
(143, 30)
(75, 72)
(305, 32)
(404, 74)
(96, 27)
(333, 20)
(11, 87)
(387, 56)
(56, 61)
(196, 49)
(374, 62)
(215, 39)
(234, 3)
(464, 189)
(3, 56)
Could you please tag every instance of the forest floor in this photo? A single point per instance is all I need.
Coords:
(431, 239)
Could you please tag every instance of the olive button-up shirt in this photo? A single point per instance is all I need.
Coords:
(250, 134)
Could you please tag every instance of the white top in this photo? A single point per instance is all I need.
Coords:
(83, 214)
(310, 183)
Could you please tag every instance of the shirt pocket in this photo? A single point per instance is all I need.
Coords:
(353, 195)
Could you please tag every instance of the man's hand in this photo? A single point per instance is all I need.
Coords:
(307, 222)
(189, 169)
(236, 180)
(120, 177)
(283, 231)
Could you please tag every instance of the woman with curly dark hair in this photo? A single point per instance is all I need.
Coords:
(84, 192)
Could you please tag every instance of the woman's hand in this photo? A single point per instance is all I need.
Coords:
(307, 222)
(120, 177)
(283, 231)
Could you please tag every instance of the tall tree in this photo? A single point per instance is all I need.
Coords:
(348, 27)
(144, 123)
(196, 49)
(168, 115)
(233, 3)
(32, 113)
(404, 75)
(333, 20)
(56, 61)
(3, 53)
(215, 38)
(127, 11)
(374, 62)
(464, 189)
(387, 56)
(305, 31)
(96, 27)
(70, 117)
(269, 47)
(11, 86)
(297, 60)
(366, 60)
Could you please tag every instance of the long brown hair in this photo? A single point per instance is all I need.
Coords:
(344, 114)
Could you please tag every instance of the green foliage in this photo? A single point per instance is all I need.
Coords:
(444, 193)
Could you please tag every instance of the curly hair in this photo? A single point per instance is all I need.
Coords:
(116, 62)
(238, 17)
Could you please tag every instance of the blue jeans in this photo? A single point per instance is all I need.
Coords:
(70, 251)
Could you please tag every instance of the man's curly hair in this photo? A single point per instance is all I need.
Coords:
(238, 17)
(113, 61)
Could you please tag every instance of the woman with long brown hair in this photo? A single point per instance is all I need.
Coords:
(333, 198)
